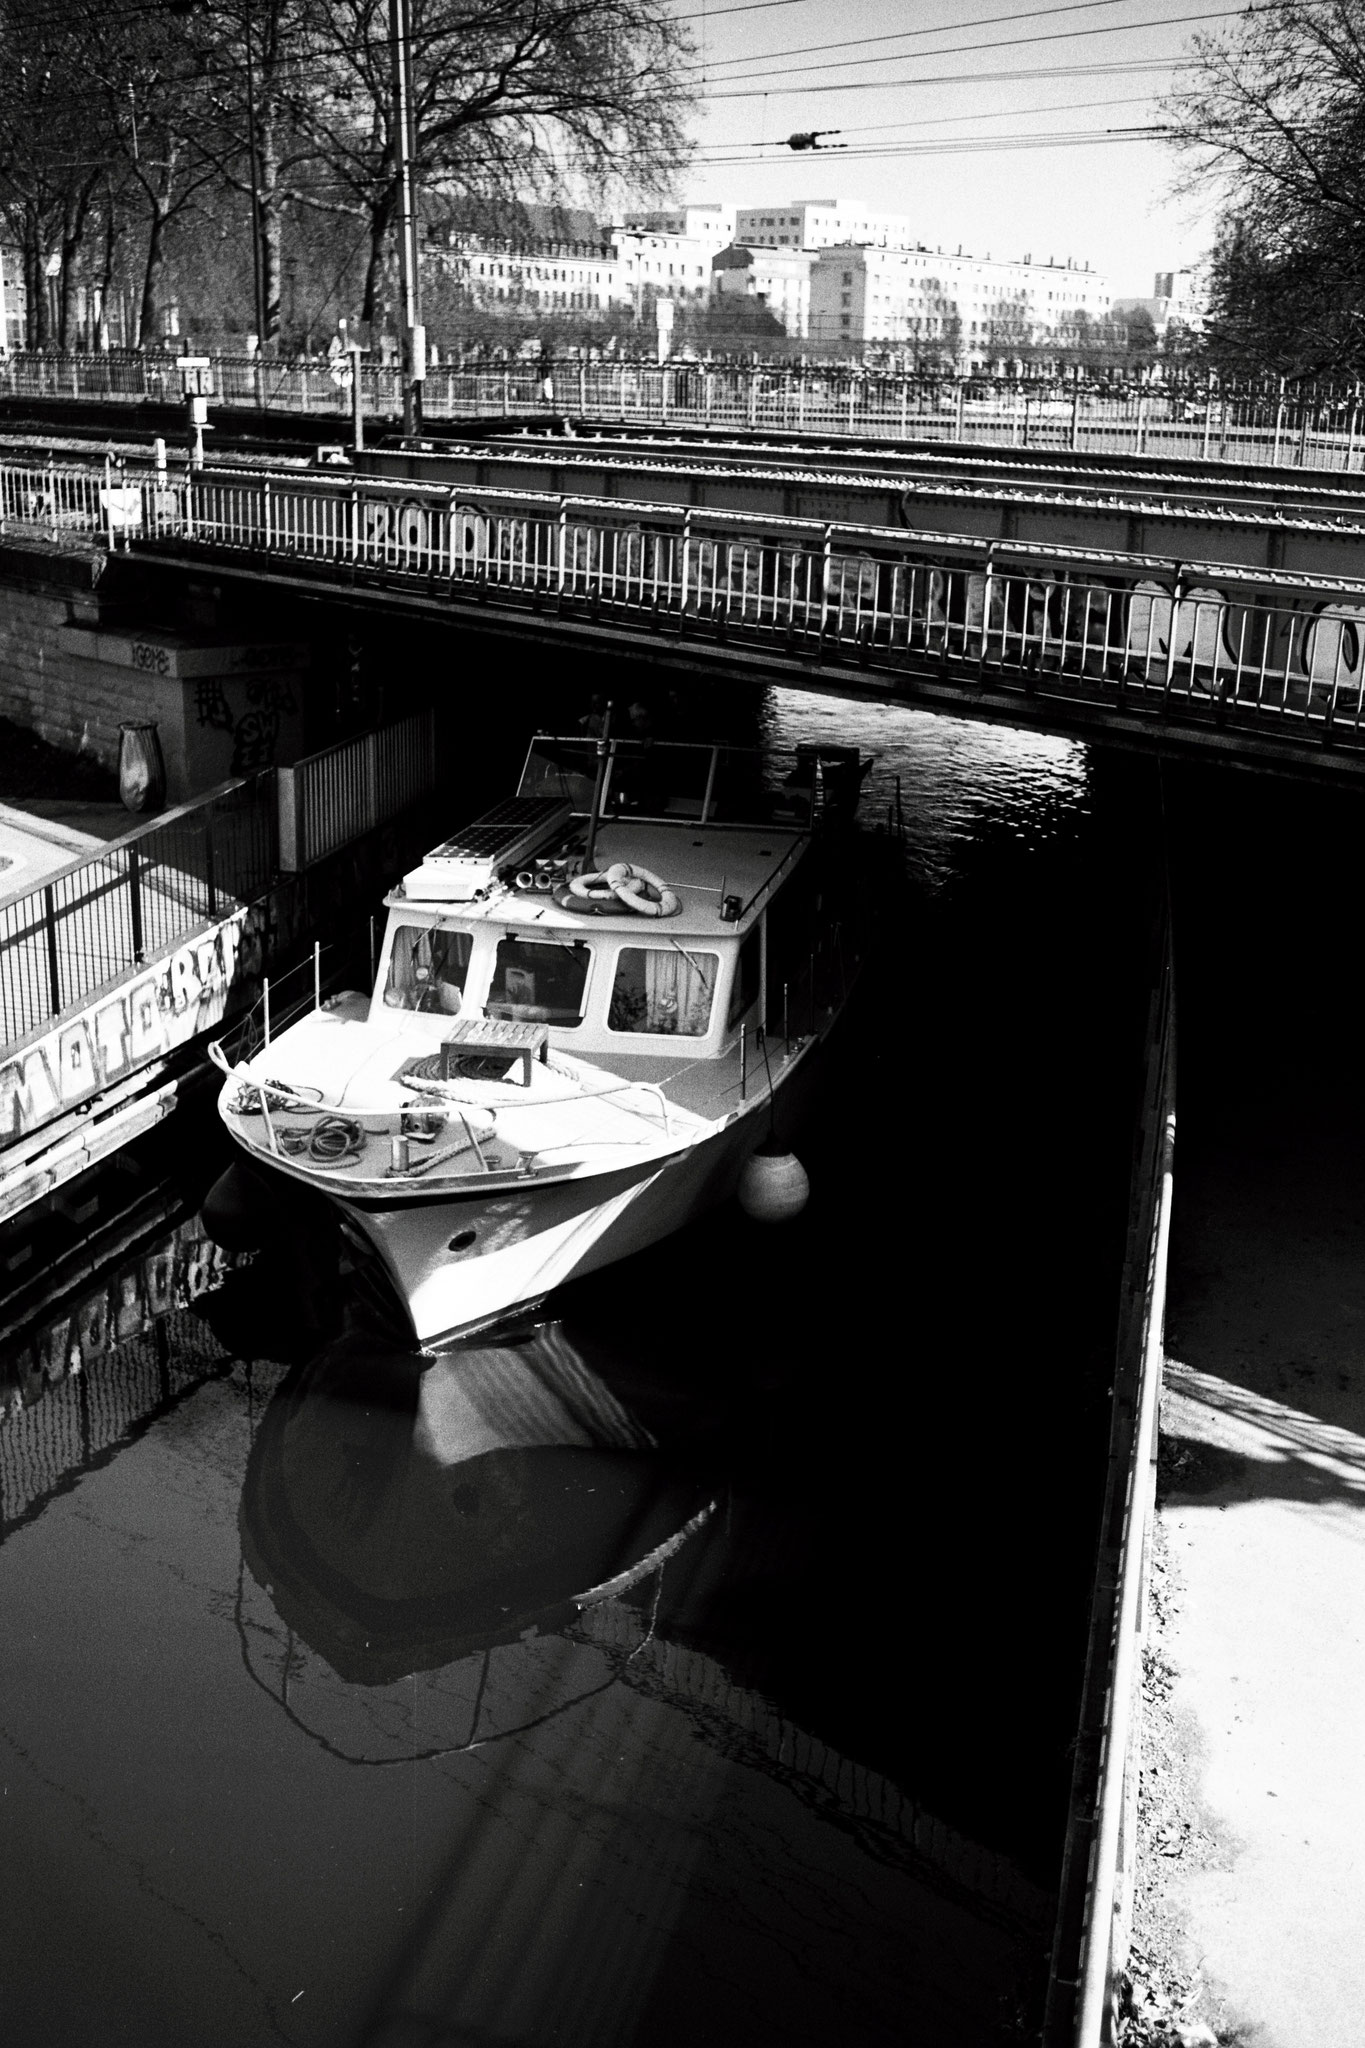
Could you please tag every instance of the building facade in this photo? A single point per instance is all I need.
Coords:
(973, 312)
(820, 224)
(776, 278)
(712, 224)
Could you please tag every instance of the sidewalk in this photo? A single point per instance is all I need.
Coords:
(1263, 1510)
(41, 834)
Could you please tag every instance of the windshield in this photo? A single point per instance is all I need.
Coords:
(427, 969)
(539, 981)
(663, 989)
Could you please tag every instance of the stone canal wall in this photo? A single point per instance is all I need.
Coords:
(224, 704)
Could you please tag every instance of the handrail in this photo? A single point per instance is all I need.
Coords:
(149, 828)
(1095, 1893)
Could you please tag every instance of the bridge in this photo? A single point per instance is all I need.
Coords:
(1257, 664)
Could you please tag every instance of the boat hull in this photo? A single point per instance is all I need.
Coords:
(459, 1262)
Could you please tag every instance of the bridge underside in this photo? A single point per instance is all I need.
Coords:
(1113, 703)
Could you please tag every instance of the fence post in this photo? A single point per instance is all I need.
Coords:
(961, 425)
(1351, 433)
(109, 500)
(1172, 630)
(1141, 448)
(563, 543)
(753, 398)
(210, 877)
(686, 562)
(135, 903)
(54, 973)
(1076, 419)
(905, 407)
(265, 497)
(1279, 425)
(1208, 422)
(824, 583)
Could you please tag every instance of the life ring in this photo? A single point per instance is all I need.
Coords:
(642, 891)
(593, 889)
(619, 886)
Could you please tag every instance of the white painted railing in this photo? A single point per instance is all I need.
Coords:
(329, 799)
(1257, 646)
(1188, 422)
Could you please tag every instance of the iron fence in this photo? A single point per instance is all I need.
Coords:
(331, 798)
(93, 922)
(1207, 421)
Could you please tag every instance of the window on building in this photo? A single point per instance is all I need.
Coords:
(848, 277)
(844, 320)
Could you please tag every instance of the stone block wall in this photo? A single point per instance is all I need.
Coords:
(222, 706)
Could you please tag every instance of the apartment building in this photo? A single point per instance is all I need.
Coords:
(551, 278)
(820, 224)
(776, 278)
(1178, 299)
(660, 266)
(975, 310)
(711, 224)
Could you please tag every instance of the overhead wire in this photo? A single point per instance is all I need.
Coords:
(1060, 35)
(957, 26)
(941, 121)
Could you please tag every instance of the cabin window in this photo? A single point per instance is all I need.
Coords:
(539, 981)
(427, 969)
(663, 989)
(748, 976)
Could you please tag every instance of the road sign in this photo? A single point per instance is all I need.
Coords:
(196, 374)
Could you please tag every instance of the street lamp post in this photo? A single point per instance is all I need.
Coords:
(256, 273)
(414, 334)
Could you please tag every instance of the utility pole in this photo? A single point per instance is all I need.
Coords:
(257, 277)
(414, 339)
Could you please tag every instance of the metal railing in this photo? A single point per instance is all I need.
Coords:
(335, 796)
(1228, 644)
(96, 920)
(1204, 422)
(1094, 1916)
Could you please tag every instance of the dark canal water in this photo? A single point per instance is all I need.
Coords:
(308, 1731)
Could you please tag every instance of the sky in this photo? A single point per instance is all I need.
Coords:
(919, 88)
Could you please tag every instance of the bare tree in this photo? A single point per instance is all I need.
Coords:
(52, 157)
(1271, 118)
(539, 98)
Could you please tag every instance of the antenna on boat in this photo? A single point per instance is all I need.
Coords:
(603, 756)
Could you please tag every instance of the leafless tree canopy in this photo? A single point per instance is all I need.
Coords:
(121, 117)
(1271, 117)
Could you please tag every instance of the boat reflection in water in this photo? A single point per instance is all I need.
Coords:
(406, 1516)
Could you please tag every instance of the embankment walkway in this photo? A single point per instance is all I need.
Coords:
(1263, 1506)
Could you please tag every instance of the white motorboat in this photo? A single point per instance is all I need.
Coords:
(592, 1008)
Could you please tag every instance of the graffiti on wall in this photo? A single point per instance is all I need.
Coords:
(254, 728)
(167, 1005)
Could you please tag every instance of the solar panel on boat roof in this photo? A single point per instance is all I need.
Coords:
(500, 829)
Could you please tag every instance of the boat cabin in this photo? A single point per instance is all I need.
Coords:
(487, 927)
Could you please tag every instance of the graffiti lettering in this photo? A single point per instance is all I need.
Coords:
(186, 993)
